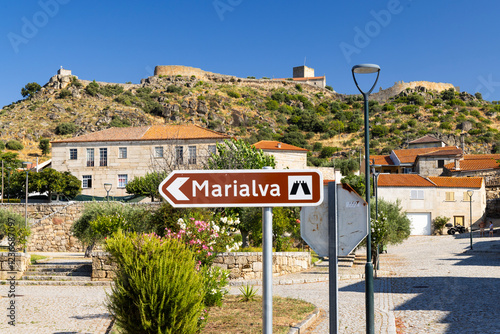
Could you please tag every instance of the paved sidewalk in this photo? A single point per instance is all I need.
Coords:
(427, 285)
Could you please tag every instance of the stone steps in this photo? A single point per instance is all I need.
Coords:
(59, 272)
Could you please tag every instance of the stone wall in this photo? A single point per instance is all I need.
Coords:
(241, 265)
(385, 94)
(51, 225)
(13, 264)
(102, 266)
(249, 265)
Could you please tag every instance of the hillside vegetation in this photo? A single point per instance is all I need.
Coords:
(318, 119)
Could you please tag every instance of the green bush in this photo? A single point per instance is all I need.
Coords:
(272, 105)
(157, 288)
(2, 145)
(92, 88)
(439, 223)
(14, 145)
(66, 128)
(174, 89)
(328, 151)
(118, 122)
(233, 94)
(408, 110)
(12, 225)
(108, 218)
(298, 87)
(64, 93)
(111, 90)
(30, 89)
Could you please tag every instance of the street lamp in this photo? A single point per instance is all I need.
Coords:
(470, 193)
(8, 187)
(375, 187)
(107, 187)
(369, 298)
(26, 199)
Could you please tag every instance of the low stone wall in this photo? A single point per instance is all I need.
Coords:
(240, 265)
(102, 266)
(51, 225)
(243, 265)
(13, 264)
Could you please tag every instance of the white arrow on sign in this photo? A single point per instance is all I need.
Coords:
(174, 190)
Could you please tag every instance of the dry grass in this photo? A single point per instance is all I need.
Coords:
(236, 316)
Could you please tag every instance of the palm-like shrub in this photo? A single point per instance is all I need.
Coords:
(157, 288)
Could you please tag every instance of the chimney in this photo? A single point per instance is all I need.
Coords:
(457, 164)
(279, 145)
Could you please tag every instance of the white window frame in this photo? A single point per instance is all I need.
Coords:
(179, 155)
(85, 181)
(103, 157)
(122, 180)
(90, 157)
(212, 149)
(158, 152)
(192, 155)
(122, 153)
(416, 194)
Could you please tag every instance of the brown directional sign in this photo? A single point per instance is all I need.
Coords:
(243, 188)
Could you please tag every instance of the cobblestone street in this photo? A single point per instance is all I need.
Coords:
(426, 285)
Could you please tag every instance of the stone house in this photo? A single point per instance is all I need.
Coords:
(117, 155)
(286, 155)
(426, 141)
(428, 161)
(304, 74)
(425, 198)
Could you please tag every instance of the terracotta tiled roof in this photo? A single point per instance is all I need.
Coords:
(276, 145)
(154, 132)
(481, 156)
(403, 180)
(381, 160)
(457, 182)
(472, 165)
(410, 155)
(425, 139)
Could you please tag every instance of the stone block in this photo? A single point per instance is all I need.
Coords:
(257, 266)
(230, 260)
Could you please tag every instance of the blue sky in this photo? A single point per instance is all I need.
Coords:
(118, 41)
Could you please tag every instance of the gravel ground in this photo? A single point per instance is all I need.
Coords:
(426, 285)
(55, 309)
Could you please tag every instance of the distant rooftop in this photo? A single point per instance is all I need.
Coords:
(143, 133)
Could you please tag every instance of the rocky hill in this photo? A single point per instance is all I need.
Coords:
(256, 109)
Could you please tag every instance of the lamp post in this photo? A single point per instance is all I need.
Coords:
(470, 193)
(369, 298)
(8, 187)
(26, 200)
(107, 187)
(375, 187)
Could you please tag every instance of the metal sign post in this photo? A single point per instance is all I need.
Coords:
(333, 284)
(267, 269)
(265, 188)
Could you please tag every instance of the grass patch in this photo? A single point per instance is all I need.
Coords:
(35, 258)
(236, 316)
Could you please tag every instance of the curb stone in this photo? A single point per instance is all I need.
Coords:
(305, 323)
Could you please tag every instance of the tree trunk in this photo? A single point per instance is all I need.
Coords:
(244, 238)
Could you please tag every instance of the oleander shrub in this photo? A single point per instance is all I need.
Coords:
(157, 286)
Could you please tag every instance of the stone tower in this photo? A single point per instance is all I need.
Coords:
(303, 72)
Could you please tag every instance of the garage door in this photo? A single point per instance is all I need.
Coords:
(420, 223)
